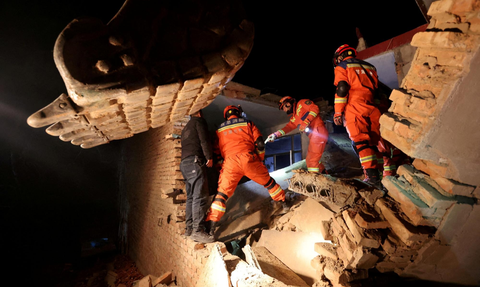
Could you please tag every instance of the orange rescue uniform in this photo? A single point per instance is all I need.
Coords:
(236, 141)
(305, 114)
(360, 116)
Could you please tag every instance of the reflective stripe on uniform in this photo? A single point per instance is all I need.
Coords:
(367, 158)
(390, 167)
(314, 169)
(217, 207)
(276, 192)
(340, 100)
(232, 127)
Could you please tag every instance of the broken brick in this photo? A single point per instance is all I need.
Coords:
(326, 249)
(364, 222)
(357, 231)
(405, 231)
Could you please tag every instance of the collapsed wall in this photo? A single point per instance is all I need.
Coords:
(433, 119)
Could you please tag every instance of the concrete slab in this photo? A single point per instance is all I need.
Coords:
(309, 217)
(275, 268)
(294, 249)
(214, 272)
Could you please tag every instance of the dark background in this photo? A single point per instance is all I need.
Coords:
(54, 195)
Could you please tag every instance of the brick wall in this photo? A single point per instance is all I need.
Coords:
(153, 215)
(444, 58)
(434, 119)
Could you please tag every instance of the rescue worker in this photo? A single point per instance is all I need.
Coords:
(305, 116)
(196, 157)
(243, 150)
(356, 82)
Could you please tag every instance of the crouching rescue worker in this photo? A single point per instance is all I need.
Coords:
(305, 116)
(356, 82)
(242, 148)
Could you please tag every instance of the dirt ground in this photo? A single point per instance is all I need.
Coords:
(99, 271)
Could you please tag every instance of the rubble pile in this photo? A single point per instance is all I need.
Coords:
(323, 188)
(368, 228)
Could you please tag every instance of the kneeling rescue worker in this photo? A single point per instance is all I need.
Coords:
(242, 147)
(305, 116)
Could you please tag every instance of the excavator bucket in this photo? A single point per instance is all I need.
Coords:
(155, 62)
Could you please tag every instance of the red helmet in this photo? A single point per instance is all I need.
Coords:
(232, 111)
(285, 100)
(343, 52)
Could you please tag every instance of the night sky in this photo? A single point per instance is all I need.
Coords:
(53, 194)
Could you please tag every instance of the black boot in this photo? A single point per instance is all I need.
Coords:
(285, 207)
(211, 227)
(201, 236)
(372, 177)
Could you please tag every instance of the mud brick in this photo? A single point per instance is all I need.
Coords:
(340, 222)
(388, 266)
(368, 223)
(431, 168)
(388, 246)
(357, 231)
(405, 231)
(363, 259)
(426, 192)
(413, 207)
(326, 249)
(371, 196)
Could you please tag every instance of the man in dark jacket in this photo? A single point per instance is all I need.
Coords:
(196, 157)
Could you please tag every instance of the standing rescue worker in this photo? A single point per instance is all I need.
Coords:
(243, 150)
(305, 116)
(356, 82)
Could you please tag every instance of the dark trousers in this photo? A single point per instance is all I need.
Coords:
(194, 172)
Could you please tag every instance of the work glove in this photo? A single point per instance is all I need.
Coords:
(337, 119)
(271, 137)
